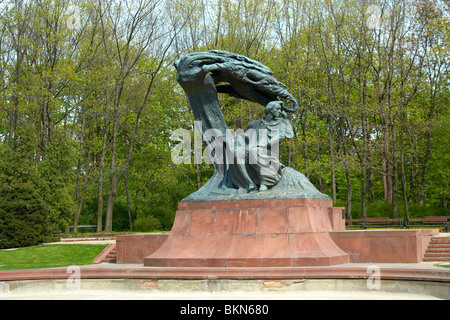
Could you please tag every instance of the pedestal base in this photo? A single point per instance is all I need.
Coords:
(251, 233)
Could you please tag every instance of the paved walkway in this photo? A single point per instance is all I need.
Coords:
(83, 241)
(191, 296)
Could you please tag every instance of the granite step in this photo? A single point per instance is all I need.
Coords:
(111, 257)
(438, 249)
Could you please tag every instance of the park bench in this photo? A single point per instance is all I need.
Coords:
(429, 222)
(384, 222)
(378, 222)
(94, 227)
(355, 222)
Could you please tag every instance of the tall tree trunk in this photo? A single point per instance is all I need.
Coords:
(402, 169)
(364, 169)
(386, 169)
(332, 159)
(303, 121)
(349, 191)
(347, 174)
(318, 150)
(128, 202)
(100, 180)
(444, 201)
(425, 167)
(112, 176)
(110, 207)
(100, 201)
(394, 185)
(371, 176)
(80, 191)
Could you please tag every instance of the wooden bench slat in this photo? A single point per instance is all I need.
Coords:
(383, 222)
(376, 222)
(435, 221)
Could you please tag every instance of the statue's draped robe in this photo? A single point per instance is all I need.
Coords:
(256, 155)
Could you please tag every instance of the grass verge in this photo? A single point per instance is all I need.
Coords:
(49, 256)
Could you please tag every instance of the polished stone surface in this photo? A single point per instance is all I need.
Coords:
(251, 233)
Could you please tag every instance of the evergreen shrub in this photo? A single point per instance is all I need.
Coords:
(24, 218)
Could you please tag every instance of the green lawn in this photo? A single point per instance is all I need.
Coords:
(48, 256)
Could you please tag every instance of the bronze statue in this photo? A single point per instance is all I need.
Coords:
(248, 166)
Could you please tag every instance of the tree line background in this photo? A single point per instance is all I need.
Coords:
(88, 103)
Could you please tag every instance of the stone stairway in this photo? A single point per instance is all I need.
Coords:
(111, 256)
(438, 249)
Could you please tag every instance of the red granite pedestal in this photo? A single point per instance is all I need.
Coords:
(252, 233)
